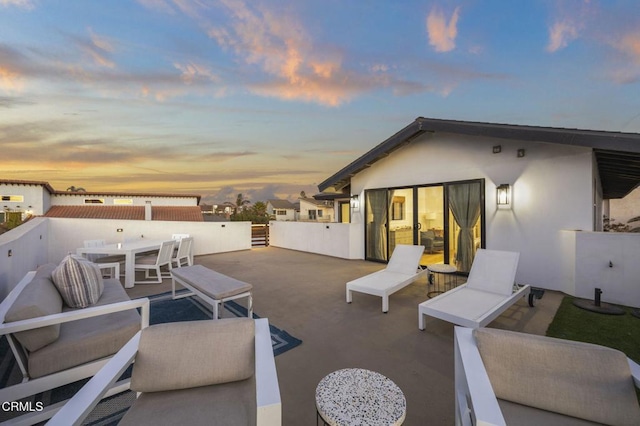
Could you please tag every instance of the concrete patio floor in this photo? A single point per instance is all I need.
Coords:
(304, 294)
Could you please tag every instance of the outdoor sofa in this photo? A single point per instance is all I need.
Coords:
(55, 344)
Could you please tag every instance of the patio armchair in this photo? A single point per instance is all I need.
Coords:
(503, 377)
(55, 345)
(198, 372)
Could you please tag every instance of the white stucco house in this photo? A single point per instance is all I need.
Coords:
(38, 198)
(456, 186)
(281, 209)
(316, 210)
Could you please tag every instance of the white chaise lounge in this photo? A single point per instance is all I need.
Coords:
(489, 291)
(403, 269)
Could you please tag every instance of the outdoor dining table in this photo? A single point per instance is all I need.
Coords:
(129, 250)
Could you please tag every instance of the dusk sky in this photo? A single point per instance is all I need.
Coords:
(269, 98)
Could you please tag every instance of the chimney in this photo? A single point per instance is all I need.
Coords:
(147, 210)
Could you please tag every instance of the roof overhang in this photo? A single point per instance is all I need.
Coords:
(617, 154)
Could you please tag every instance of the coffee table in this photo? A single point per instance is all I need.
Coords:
(355, 396)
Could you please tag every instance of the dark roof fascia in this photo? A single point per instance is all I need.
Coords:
(614, 141)
(332, 196)
(595, 139)
(342, 178)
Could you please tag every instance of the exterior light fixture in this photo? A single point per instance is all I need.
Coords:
(355, 203)
(497, 149)
(503, 195)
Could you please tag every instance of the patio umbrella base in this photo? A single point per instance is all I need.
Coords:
(604, 308)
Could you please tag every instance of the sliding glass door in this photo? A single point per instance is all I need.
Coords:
(447, 219)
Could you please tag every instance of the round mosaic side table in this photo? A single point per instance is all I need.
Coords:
(355, 396)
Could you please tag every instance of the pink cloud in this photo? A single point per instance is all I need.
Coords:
(561, 33)
(25, 4)
(442, 34)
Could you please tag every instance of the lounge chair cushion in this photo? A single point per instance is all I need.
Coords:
(78, 281)
(89, 339)
(225, 404)
(493, 271)
(201, 353)
(523, 415)
(39, 298)
(577, 379)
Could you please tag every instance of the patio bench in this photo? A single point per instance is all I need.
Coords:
(211, 286)
(55, 344)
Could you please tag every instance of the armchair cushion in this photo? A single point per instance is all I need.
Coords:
(39, 298)
(78, 281)
(577, 379)
(201, 353)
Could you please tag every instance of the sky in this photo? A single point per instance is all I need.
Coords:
(270, 98)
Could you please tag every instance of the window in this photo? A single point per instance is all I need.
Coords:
(281, 212)
(123, 201)
(397, 208)
(13, 198)
(319, 213)
(312, 215)
(94, 201)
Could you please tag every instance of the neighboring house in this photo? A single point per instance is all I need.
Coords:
(316, 210)
(281, 210)
(38, 198)
(464, 185)
(341, 205)
(624, 209)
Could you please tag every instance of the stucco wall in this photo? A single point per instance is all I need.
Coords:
(552, 190)
(77, 199)
(66, 235)
(618, 280)
(331, 239)
(34, 199)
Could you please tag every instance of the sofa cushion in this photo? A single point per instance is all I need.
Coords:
(224, 404)
(88, 339)
(577, 379)
(196, 353)
(78, 281)
(39, 298)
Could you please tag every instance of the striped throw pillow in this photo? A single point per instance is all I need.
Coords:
(79, 282)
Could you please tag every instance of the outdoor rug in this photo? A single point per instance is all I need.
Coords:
(163, 309)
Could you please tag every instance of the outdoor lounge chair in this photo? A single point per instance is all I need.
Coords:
(403, 269)
(489, 291)
(195, 372)
(503, 377)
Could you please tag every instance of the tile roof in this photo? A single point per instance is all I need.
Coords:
(281, 204)
(168, 213)
(28, 182)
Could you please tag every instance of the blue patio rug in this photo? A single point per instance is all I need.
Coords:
(163, 309)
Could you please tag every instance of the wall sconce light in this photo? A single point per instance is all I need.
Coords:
(355, 203)
(503, 194)
(497, 149)
(521, 153)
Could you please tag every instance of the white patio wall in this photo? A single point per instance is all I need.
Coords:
(592, 252)
(332, 239)
(209, 237)
(44, 240)
(21, 250)
(552, 190)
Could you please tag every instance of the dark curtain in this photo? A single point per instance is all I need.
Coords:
(464, 203)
